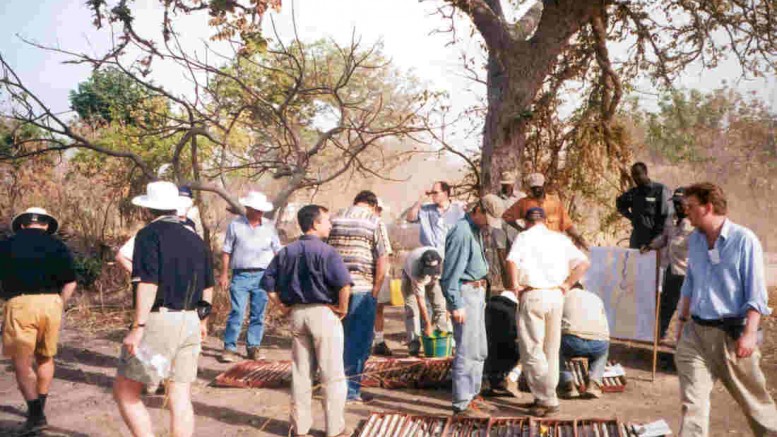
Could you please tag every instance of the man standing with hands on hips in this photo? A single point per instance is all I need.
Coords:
(723, 299)
(249, 246)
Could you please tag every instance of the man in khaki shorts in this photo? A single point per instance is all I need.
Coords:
(174, 277)
(37, 279)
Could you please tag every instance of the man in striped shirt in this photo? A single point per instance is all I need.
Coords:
(358, 235)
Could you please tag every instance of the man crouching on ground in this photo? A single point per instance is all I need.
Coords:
(175, 286)
(309, 279)
(37, 279)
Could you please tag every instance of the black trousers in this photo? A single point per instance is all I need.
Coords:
(502, 334)
(669, 298)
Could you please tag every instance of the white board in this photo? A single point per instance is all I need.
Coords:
(626, 282)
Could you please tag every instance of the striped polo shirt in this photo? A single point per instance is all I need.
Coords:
(360, 238)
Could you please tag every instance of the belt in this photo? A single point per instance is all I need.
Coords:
(720, 323)
(478, 283)
(247, 270)
(35, 293)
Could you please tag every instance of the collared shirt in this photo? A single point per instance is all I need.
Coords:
(32, 261)
(358, 236)
(175, 259)
(544, 258)
(412, 267)
(307, 271)
(556, 216)
(464, 260)
(729, 279)
(128, 247)
(584, 316)
(647, 208)
(251, 247)
(675, 240)
(435, 225)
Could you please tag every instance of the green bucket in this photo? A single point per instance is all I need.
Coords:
(438, 345)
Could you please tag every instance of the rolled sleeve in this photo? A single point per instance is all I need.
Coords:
(457, 254)
(229, 239)
(574, 255)
(752, 273)
(145, 257)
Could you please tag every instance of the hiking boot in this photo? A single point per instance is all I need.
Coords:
(543, 411)
(470, 412)
(229, 356)
(255, 354)
(594, 390)
(414, 348)
(568, 391)
(382, 349)
(483, 405)
(34, 425)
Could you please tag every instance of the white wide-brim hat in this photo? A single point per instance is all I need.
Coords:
(37, 215)
(162, 196)
(256, 200)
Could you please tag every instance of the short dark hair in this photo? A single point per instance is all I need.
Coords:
(308, 215)
(161, 212)
(709, 193)
(641, 165)
(446, 187)
(366, 196)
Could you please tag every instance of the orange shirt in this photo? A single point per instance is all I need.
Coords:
(556, 216)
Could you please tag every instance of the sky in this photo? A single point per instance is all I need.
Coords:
(405, 28)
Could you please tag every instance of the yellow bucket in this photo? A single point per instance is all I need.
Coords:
(395, 286)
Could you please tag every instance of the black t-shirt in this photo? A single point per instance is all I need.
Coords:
(32, 261)
(175, 259)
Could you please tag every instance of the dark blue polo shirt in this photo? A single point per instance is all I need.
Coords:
(307, 271)
(34, 262)
(175, 259)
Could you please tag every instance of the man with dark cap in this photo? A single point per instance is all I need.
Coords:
(556, 215)
(675, 240)
(646, 206)
(543, 265)
(420, 279)
(37, 278)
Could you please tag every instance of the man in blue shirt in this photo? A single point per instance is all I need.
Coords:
(464, 287)
(436, 218)
(723, 299)
(309, 279)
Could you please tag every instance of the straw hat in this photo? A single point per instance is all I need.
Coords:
(37, 215)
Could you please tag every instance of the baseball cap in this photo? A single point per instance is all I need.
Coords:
(431, 263)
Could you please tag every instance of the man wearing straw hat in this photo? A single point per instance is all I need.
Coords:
(249, 246)
(37, 278)
(174, 274)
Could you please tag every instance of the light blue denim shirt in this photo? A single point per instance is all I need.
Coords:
(733, 284)
(251, 247)
(435, 225)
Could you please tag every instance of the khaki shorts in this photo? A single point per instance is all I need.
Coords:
(168, 350)
(384, 295)
(31, 325)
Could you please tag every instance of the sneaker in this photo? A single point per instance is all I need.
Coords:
(255, 354)
(568, 391)
(483, 405)
(229, 356)
(470, 412)
(34, 425)
(381, 349)
(543, 411)
(594, 390)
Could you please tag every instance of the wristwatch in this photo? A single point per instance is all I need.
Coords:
(137, 325)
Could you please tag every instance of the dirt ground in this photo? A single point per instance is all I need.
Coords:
(80, 402)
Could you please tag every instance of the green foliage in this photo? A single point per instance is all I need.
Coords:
(87, 269)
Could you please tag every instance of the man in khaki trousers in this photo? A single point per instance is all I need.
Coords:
(309, 280)
(542, 266)
(724, 294)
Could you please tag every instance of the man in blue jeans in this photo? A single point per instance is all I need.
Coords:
(464, 287)
(359, 236)
(584, 333)
(249, 246)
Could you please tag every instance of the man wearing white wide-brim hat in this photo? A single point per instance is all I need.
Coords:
(174, 276)
(37, 277)
(249, 246)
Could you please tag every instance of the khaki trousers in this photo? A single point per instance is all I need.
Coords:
(539, 338)
(706, 354)
(317, 341)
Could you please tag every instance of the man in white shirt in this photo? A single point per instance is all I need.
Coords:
(420, 281)
(542, 266)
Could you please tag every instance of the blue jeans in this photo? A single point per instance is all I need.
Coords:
(471, 347)
(358, 331)
(595, 350)
(243, 286)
